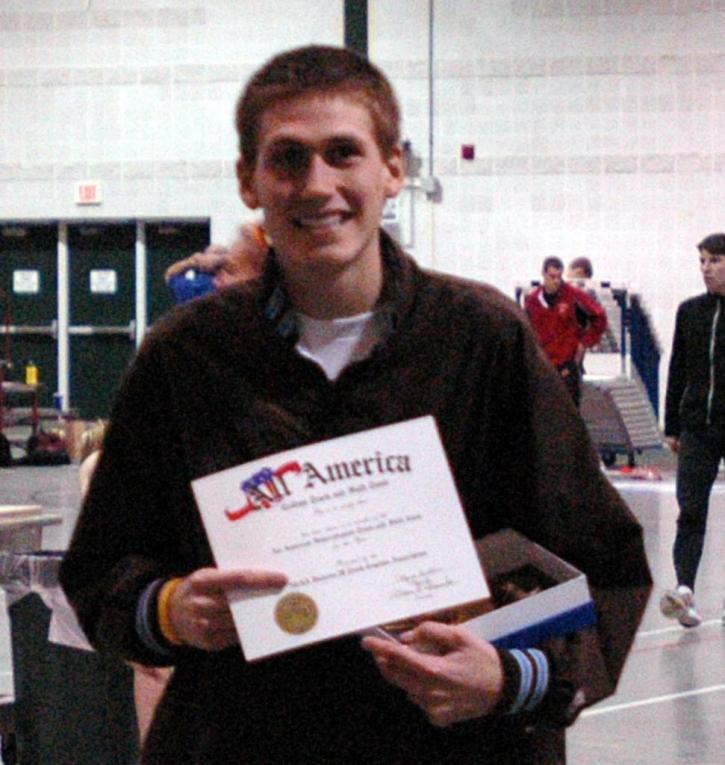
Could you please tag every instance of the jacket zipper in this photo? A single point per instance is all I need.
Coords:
(713, 341)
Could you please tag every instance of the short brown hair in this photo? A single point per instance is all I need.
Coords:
(92, 439)
(316, 69)
(714, 244)
(584, 265)
(552, 262)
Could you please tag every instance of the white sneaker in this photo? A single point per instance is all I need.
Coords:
(679, 604)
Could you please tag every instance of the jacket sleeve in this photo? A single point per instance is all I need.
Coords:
(126, 535)
(536, 314)
(556, 494)
(676, 377)
(530, 305)
(596, 317)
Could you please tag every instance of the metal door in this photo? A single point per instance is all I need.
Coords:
(102, 317)
(29, 303)
(167, 242)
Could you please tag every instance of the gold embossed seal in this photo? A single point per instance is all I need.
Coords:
(296, 613)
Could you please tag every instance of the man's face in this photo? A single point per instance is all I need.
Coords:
(713, 272)
(552, 280)
(322, 181)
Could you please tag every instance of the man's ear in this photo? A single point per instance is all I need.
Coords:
(395, 172)
(246, 185)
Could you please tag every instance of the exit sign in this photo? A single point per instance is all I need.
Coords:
(88, 193)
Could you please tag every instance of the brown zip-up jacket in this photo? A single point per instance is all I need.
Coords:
(218, 383)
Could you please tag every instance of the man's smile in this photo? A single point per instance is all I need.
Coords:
(321, 220)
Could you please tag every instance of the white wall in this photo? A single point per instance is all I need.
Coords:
(599, 125)
(138, 95)
(599, 129)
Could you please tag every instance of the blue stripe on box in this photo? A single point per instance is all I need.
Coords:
(557, 626)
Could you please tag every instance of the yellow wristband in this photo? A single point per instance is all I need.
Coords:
(165, 625)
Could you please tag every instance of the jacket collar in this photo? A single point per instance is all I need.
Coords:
(394, 299)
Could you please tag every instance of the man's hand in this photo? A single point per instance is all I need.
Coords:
(198, 608)
(208, 262)
(449, 673)
(674, 443)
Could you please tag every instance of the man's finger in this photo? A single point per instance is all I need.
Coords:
(436, 637)
(214, 580)
(405, 666)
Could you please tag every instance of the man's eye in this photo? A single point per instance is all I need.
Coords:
(341, 154)
(289, 160)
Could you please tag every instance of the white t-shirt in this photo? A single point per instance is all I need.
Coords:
(335, 343)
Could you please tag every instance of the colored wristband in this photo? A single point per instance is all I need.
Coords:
(147, 622)
(527, 677)
(533, 679)
(165, 625)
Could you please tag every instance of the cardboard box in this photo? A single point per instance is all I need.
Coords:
(559, 605)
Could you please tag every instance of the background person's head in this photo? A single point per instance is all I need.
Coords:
(552, 271)
(92, 439)
(580, 268)
(712, 262)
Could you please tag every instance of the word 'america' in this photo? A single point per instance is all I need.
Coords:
(358, 468)
(267, 486)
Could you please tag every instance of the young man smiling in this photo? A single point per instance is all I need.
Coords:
(322, 180)
(342, 333)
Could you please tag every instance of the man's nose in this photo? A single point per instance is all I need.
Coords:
(320, 177)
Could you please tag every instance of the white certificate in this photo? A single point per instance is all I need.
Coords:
(368, 528)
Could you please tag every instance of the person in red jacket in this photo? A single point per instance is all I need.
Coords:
(567, 321)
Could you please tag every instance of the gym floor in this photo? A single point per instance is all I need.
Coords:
(670, 706)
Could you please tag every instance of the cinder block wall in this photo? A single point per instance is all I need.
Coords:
(138, 95)
(598, 125)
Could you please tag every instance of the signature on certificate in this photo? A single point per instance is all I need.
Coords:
(421, 583)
